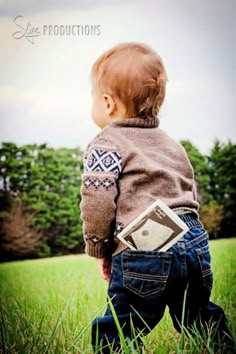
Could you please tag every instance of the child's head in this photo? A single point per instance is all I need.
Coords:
(132, 75)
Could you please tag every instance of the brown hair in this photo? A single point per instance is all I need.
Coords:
(135, 74)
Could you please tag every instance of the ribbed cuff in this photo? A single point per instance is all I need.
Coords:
(98, 250)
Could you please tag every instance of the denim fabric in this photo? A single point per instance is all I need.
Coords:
(144, 282)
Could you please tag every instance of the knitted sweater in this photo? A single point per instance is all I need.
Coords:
(130, 164)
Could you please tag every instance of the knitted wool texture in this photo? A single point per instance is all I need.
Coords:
(130, 164)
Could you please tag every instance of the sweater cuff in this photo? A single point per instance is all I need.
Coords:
(99, 250)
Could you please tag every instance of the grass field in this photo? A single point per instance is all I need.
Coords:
(47, 305)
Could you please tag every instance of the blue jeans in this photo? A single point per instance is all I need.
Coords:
(144, 282)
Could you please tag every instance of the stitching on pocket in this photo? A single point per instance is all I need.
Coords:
(146, 276)
(143, 275)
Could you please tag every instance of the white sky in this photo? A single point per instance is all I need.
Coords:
(44, 87)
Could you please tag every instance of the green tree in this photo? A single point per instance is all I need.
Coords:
(222, 185)
(47, 181)
(201, 171)
(212, 207)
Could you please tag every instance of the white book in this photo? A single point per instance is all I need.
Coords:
(157, 228)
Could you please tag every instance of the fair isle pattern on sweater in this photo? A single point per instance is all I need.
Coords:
(119, 227)
(106, 183)
(103, 161)
(94, 239)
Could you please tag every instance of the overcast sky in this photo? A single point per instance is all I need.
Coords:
(44, 85)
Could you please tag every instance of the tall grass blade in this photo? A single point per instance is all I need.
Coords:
(2, 333)
(120, 331)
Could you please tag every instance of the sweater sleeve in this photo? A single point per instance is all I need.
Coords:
(102, 167)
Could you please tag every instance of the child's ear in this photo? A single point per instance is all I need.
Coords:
(110, 105)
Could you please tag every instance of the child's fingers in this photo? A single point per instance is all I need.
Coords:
(107, 273)
(104, 267)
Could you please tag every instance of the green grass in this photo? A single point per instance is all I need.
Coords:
(47, 305)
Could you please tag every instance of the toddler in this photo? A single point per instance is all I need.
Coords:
(130, 164)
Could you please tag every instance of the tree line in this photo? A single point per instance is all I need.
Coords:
(40, 197)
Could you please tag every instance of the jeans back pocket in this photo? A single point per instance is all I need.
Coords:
(145, 273)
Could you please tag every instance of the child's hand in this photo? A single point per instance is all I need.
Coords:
(104, 267)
